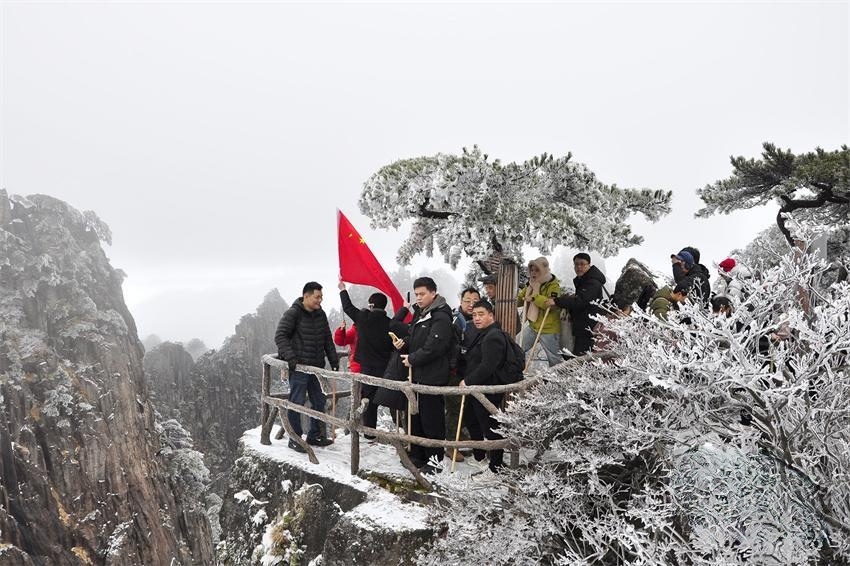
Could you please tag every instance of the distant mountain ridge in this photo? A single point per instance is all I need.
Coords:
(217, 398)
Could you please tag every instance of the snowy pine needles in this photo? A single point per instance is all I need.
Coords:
(468, 205)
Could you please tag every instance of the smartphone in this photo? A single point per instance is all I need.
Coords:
(393, 337)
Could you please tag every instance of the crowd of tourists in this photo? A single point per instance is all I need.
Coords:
(465, 346)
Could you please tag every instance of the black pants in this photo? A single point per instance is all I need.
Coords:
(583, 343)
(429, 423)
(370, 415)
(481, 424)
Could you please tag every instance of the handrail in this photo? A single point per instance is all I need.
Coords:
(271, 405)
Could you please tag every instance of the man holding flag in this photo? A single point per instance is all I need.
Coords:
(358, 265)
(373, 344)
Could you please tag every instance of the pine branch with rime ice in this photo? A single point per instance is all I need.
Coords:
(467, 205)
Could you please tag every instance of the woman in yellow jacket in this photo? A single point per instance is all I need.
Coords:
(542, 285)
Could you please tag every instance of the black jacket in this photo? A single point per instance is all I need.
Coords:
(430, 343)
(304, 336)
(699, 281)
(588, 289)
(485, 355)
(373, 343)
(469, 334)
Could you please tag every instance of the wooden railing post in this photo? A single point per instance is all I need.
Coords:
(355, 436)
(265, 409)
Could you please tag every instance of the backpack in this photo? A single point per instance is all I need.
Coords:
(511, 370)
(635, 285)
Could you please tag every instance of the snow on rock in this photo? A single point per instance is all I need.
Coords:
(243, 495)
(318, 510)
(260, 518)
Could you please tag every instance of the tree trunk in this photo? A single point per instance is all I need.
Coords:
(507, 277)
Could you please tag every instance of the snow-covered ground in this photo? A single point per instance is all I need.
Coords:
(381, 508)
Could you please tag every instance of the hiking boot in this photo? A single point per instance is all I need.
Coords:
(320, 441)
(458, 458)
(297, 447)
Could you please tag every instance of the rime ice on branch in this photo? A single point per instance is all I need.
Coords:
(467, 204)
(709, 440)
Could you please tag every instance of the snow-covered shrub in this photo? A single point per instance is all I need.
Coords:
(708, 440)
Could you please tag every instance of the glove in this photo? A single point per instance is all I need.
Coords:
(292, 364)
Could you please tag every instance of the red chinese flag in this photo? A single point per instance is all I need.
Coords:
(358, 265)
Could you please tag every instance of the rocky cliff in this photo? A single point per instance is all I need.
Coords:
(85, 476)
(281, 509)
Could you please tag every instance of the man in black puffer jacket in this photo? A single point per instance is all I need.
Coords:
(588, 284)
(428, 348)
(304, 337)
(373, 344)
(484, 357)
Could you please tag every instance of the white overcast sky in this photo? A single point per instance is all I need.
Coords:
(217, 140)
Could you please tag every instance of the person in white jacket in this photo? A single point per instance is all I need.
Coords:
(733, 278)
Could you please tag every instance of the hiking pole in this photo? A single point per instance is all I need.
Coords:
(457, 434)
(536, 340)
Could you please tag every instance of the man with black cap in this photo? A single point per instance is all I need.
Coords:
(694, 275)
(373, 343)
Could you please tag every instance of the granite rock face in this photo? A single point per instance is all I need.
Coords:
(84, 476)
(216, 398)
(168, 368)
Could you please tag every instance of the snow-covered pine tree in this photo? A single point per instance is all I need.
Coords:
(769, 246)
(708, 440)
(469, 205)
(815, 186)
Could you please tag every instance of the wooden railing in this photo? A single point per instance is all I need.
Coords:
(272, 405)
